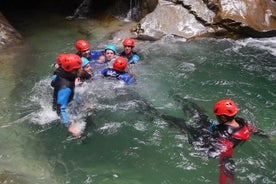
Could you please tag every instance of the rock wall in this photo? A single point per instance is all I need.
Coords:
(182, 18)
(216, 18)
(8, 35)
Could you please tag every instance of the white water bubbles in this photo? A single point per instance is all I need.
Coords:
(266, 44)
(41, 103)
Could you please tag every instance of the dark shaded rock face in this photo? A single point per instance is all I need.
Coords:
(8, 35)
(181, 18)
(93, 8)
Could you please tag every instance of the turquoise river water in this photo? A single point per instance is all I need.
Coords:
(125, 141)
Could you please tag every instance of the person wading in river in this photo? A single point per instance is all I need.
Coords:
(64, 85)
(216, 139)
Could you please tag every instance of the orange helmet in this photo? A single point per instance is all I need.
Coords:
(71, 62)
(225, 107)
(60, 58)
(128, 42)
(82, 45)
(120, 64)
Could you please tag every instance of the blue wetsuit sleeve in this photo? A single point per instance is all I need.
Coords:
(126, 78)
(62, 99)
(212, 126)
(134, 59)
(104, 71)
(54, 77)
(94, 55)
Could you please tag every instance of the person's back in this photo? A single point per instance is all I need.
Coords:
(230, 132)
(212, 139)
(64, 85)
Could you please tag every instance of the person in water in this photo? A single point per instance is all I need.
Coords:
(118, 71)
(63, 82)
(128, 53)
(85, 72)
(110, 54)
(215, 139)
(84, 50)
(230, 131)
(106, 60)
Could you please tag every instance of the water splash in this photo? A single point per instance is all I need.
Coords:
(266, 44)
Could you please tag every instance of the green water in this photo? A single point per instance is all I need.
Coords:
(126, 141)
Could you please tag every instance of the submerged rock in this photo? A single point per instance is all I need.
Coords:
(10, 177)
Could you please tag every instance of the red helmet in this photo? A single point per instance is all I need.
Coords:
(71, 62)
(225, 107)
(60, 58)
(82, 45)
(120, 64)
(128, 42)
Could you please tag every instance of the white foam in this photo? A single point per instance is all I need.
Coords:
(267, 44)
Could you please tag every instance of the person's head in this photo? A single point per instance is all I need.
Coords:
(101, 59)
(83, 48)
(109, 52)
(60, 59)
(71, 63)
(86, 67)
(120, 64)
(128, 44)
(225, 110)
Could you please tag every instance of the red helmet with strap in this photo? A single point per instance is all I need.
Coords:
(71, 62)
(120, 64)
(225, 107)
(128, 42)
(82, 45)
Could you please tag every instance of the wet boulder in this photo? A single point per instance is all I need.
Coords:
(8, 35)
(198, 18)
(255, 18)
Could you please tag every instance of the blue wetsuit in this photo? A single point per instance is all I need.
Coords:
(133, 58)
(113, 74)
(94, 55)
(64, 85)
(97, 67)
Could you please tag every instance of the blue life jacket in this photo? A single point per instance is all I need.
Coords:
(123, 76)
(132, 59)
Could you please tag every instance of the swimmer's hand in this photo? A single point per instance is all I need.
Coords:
(78, 82)
(74, 131)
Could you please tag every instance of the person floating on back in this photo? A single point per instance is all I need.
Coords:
(63, 82)
(106, 60)
(118, 71)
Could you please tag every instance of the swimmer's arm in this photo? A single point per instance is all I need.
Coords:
(256, 131)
